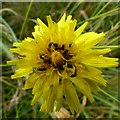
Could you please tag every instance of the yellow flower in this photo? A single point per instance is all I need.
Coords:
(60, 59)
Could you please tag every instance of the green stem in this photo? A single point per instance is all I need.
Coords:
(26, 16)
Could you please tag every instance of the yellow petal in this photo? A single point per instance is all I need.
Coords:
(22, 63)
(50, 22)
(93, 70)
(102, 51)
(12, 62)
(55, 79)
(70, 36)
(80, 29)
(38, 84)
(31, 81)
(72, 26)
(43, 26)
(84, 87)
(93, 86)
(88, 71)
(52, 98)
(17, 44)
(62, 20)
(22, 72)
(17, 50)
(59, 96)
(88, 40)
(101, 61)
(45, 100)
(71, 95)
(88, 53)
(37, 96)
(68, 20)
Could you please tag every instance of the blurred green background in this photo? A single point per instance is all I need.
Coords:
(18, 21)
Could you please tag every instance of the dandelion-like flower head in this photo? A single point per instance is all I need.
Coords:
(60, 59)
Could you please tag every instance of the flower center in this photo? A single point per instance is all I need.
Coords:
(59, 58)
(56, 58)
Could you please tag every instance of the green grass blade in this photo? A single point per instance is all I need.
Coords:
(17, 111)
(8, 83)
(101, 15)
(4, 65)
(74, 7)
(113, 40)
(103, 7)
(113, 46)
(26, 16)
(96, 9)
(85, 114)
(6, 50)
(9, 28)
(109, 96)
(106, 102)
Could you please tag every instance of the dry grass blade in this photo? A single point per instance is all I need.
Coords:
(9, 10)
(82, 106)
(17, 96)
(4, 28)
(63, 114)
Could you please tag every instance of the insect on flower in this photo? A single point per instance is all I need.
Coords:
(60, 59)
